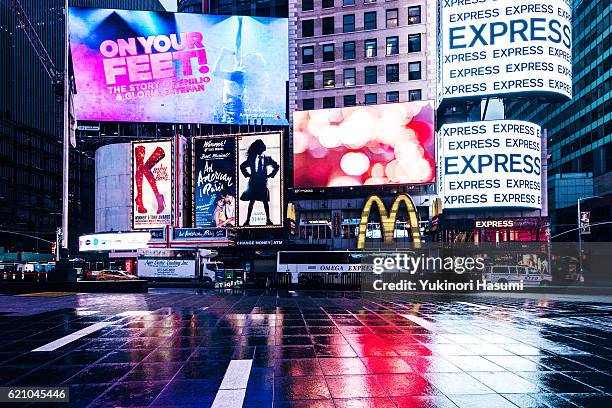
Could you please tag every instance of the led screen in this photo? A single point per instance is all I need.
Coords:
(494, 163)
(214, 164)
(364, 145)
(497, 47)
(144, 66)
(260, 180)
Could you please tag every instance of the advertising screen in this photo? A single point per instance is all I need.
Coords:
(496, 47)
(144, 66)
(152, 189)
(114, 242)
(260, 180)
(491, 164)
(364, 145)
(214, 181)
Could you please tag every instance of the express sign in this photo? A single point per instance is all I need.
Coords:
(491, 164)
(494, 47)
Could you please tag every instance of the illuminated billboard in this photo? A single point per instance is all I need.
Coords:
(260, 180)
(364, 145)
(114, 242)
(144, 66)
(497, 47)
(214, 181)
(491, 164)
(152, 184)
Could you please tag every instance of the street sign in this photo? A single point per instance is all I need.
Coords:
(585, 222)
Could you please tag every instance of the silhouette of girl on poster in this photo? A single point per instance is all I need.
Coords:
(242, 85)
(255, 168)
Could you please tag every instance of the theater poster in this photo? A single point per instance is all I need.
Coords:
(152, 187)
(214, 182)
(260, 180)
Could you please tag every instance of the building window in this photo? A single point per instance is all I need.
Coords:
(308, 80)
(392, 45)
(392, 72)
(414, 95)
(370, 99)
(348, 2)
(369, 47)
(307, 28)
(348, 23)
(307, 5)
(370, 75)
(392, 18)
(328, 25)
(349, 77)
(327, 3)
(414, 43)
(329, 102)
(350, 100)
(348, 50)
(308, 104)
(328, 52)
(392, 96)
(369, 1)
(369, 20)
(307, 55)
(414, 70)
(414, 15)
(329, 79)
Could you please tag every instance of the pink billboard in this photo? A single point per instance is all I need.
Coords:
(145, 66)
(364, 145)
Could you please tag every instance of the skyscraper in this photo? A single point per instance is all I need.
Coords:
(580, 131)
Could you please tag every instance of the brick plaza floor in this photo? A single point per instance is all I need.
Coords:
(183, 348)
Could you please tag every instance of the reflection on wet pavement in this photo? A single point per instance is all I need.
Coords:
(311, 349)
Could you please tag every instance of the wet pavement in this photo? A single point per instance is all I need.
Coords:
(179, 348)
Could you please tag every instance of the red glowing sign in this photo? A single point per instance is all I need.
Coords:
(364, 145)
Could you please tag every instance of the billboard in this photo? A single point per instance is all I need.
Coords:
(166, 268)
(491, 164)
(364, 145)
(214, 181)
(114, 242)
(505, 47)
(152, 186)
(260, 180)
(145, 66)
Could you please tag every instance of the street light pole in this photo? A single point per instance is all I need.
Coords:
(66, 135)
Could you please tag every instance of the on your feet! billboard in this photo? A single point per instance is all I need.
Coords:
(152, 184)
(144, 66)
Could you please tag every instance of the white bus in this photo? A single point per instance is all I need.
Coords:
(338, 262)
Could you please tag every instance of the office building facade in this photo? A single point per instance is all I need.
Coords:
(345, 53)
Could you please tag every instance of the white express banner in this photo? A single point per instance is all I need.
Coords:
(496, 47)
(166, 268)
(491, 164)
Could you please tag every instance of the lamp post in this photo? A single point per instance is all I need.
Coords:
(580, 230)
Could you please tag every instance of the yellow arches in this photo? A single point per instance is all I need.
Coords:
(387, 222)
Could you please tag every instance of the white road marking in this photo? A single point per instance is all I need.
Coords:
(87, 312)
(233, 387)
(54, 345)
(421, 322)
(132, 313)
(473, 305)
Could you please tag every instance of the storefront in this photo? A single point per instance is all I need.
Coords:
(528, 229)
